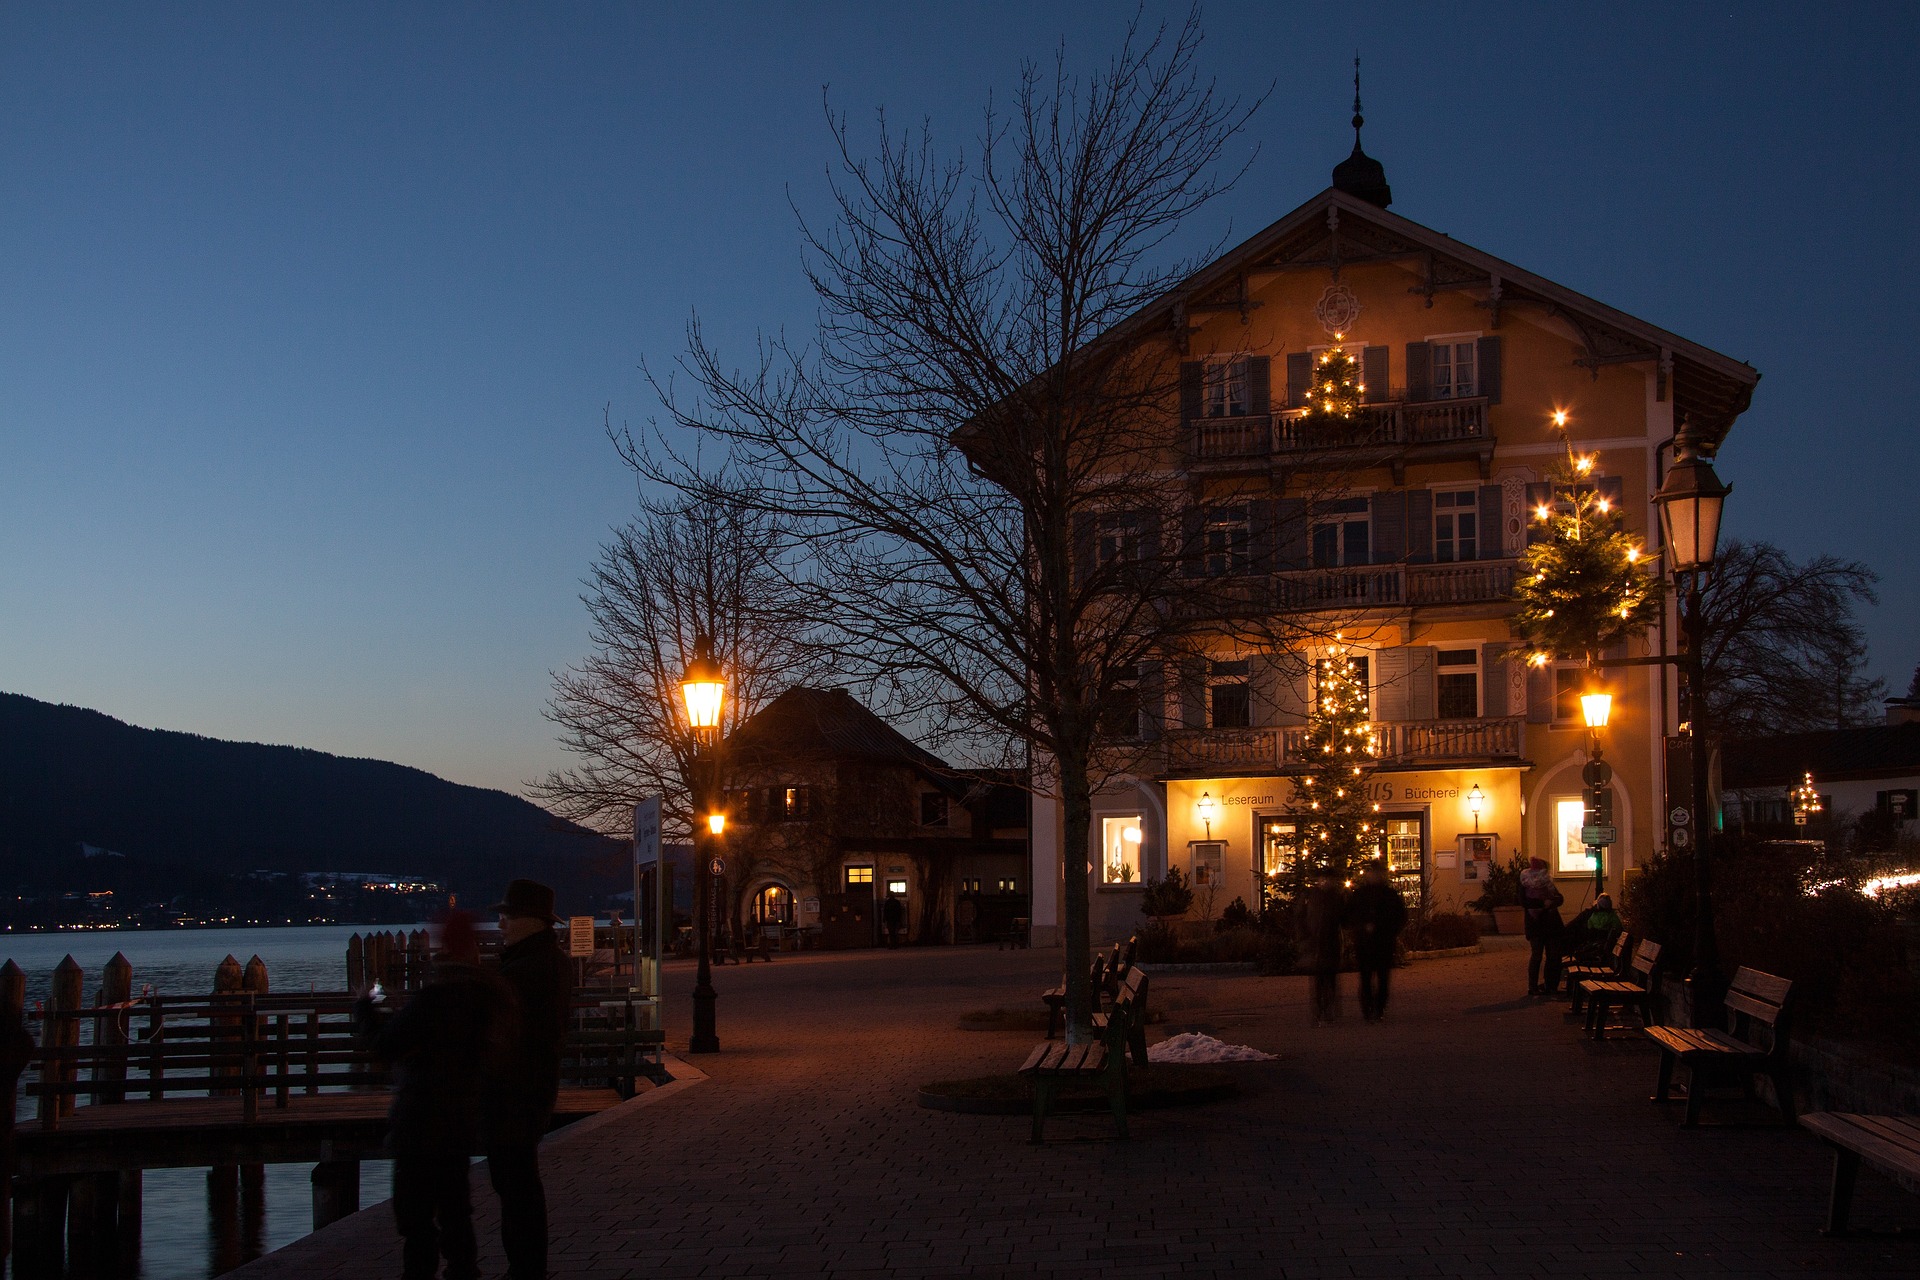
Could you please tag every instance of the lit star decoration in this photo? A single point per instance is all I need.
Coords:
(1342, 827)
(1337, 390)
(1588, 583)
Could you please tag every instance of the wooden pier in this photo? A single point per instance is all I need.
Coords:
(233, 1081)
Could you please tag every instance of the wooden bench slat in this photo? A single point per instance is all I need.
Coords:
(1896, 1130)
(1764, 986)
(1870, 1145)
(1765, 1011)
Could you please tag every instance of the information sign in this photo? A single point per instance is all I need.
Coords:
(580, 937)
(1599, 834)
(718, 866)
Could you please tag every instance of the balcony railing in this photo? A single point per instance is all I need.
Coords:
(1367, 586)
(1471, 582)
(1392, 423)
(1284, 747)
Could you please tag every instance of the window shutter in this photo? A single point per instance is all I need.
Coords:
(1490, 369)
(1266, 682)
(1260, 535)
(1083, 548)
(1148, 523)
(1192, 372)
(1193, 524)
(1193, 694)
(1259, 384)
(1299, 378)
(1376, 372)
(1389, 514)
(1153, 701)
(1493, 680)
(1419, 381)
(1420, 526)
(1290, 696)
(1539, 695)
(1537, 496)
(1290, 533)
(1420, 687)
(1390, 700)
(1491, 502)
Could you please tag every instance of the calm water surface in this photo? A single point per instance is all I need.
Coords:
(177, 1238)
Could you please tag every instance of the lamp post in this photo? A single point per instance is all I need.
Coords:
(704, 687)
(1476, 801)
(1691, 499)
(1596, 708)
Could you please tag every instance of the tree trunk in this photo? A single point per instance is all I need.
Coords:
(1076, 805)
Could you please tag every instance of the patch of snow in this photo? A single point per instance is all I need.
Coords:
(1192, 1046)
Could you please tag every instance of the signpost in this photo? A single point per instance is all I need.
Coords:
(649, 951)
(580, 937)
(1599, 835)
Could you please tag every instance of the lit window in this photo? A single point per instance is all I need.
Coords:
(1458, 683)
(1224, 388)
(1453, 370)
(897, 887)
(1456, 525)
(1009, 885)
(1120, 841)
(1571, 856)
(773, 905)
(796, 802)
(857, 876)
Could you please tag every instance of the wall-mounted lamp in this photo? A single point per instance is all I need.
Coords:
(1597, 707)
(1205, 807)
(1476, 801)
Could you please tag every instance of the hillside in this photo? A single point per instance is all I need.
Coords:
(188, 814)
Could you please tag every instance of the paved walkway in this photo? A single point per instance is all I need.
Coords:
(1472, 1134)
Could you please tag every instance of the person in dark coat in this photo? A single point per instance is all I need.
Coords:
(1322, 912)
(1542, 899)
(1588, 935)
(441, 1043)
(1376, 913)
(521, 1095)
(893, 914)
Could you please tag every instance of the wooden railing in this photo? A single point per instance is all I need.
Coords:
(1471, 582)
(1356, 587)
(1284, 746)
(1391, 422)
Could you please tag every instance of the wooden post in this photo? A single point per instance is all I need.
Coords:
(61, 1033)
(253, 1211)
(254, 978)
(92, 1234)
(419, 960)
(126, 1221)
(223, 1027)
(223, 1218)
(356, 966)
(16, 1050)
(110, 1028)
(40, 1226)
(336, 1191)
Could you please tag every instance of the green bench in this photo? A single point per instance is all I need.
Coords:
(1755, 1043)
(1055, 1063)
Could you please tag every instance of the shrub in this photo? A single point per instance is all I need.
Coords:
(1502, 887)
(1440, 930)
(1236, 916)
(1169, 897)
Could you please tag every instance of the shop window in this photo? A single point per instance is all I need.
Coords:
(933, 809)
(1571, 857)
(1457, 683)
(1120, 842)
(773, 905)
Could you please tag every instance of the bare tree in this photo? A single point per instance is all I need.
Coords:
(979, 445)
(688, 566)
(1784, 653)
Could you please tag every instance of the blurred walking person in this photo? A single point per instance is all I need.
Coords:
(1542, 899)
(521, 1094)
(1377, 913)
(1324, 909)
(441, 1044)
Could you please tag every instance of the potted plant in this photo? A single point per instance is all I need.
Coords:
(1500, 896)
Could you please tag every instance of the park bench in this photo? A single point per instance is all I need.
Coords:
(1889, 1143)
(1018, 934)
(1636, 990)
(1052, 1064)
(1614, 969)
(1133, 993)
(1056, 999)
(1755, 1043)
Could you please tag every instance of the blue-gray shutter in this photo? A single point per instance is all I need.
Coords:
(1490, 369)
(1493, 680)
(1260, 535)
(1376, 372)
(1389, 671)
(1539, 695)
(1193, 525)
(1192, 375)
(1492, 518)
(1538, 495)
(1420, 686)
(1290, 537)
(1299, 378)
(1388, 512)
(1419, 377)
(1420, 526)
(1259, 384)
(1266, 682)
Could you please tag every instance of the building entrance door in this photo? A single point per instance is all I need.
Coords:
(1279, 847)
(1406, 850)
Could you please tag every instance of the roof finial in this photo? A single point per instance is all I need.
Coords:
(1358, 119)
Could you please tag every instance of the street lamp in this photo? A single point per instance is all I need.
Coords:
(1691, 499)
(1206, 808)
(1596, 708)
(1476, 801)
(705, 689)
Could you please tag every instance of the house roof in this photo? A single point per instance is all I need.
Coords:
(831, 724)
(1336, 229)
(1834, 755)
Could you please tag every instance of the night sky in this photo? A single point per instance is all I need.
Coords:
(309, 314)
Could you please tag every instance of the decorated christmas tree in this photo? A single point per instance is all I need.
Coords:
(1339, 827)
(1587, 583)
(1337, 389)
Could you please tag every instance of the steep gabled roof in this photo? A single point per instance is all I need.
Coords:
(1871, 751)
(831, 724)
(1335, 229)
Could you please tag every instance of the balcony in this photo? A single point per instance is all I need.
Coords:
(1281, 749)
(1372, 586)
(1391, 425)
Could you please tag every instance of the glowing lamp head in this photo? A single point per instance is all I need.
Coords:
(1476, 800)
(1690, 500)
(1597, 707)
(717, 823)
(705, 689)
(1206, 806)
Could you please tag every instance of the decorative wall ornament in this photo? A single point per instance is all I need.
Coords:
(1513, 511)
(1516, 684)
(1337, 309)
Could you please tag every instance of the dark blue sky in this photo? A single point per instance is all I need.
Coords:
(308, 313)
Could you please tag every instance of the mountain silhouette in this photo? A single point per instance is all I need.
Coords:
(86, 800)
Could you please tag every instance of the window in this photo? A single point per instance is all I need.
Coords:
(1279, 850)
(1341, 534)
(1571, 857)
(1229, 695)
(1568, 684)
(1456, 521)
(1120, 841)
(933, 809)
(773, 905)
(1359, 663)
(1223, 388)
(739, 805)
(1224, 542)
(897, 888)
(1457, 683)
(1009, 885)
(1453, 370)
(789, 804)
(1119, 538)
(860, 878)
(1120, 713)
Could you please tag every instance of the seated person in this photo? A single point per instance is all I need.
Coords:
(1589, 934)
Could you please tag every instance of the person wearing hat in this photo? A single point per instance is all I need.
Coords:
(520, 1099)
(1589, 934)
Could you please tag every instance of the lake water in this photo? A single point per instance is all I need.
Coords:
(177, 1237)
